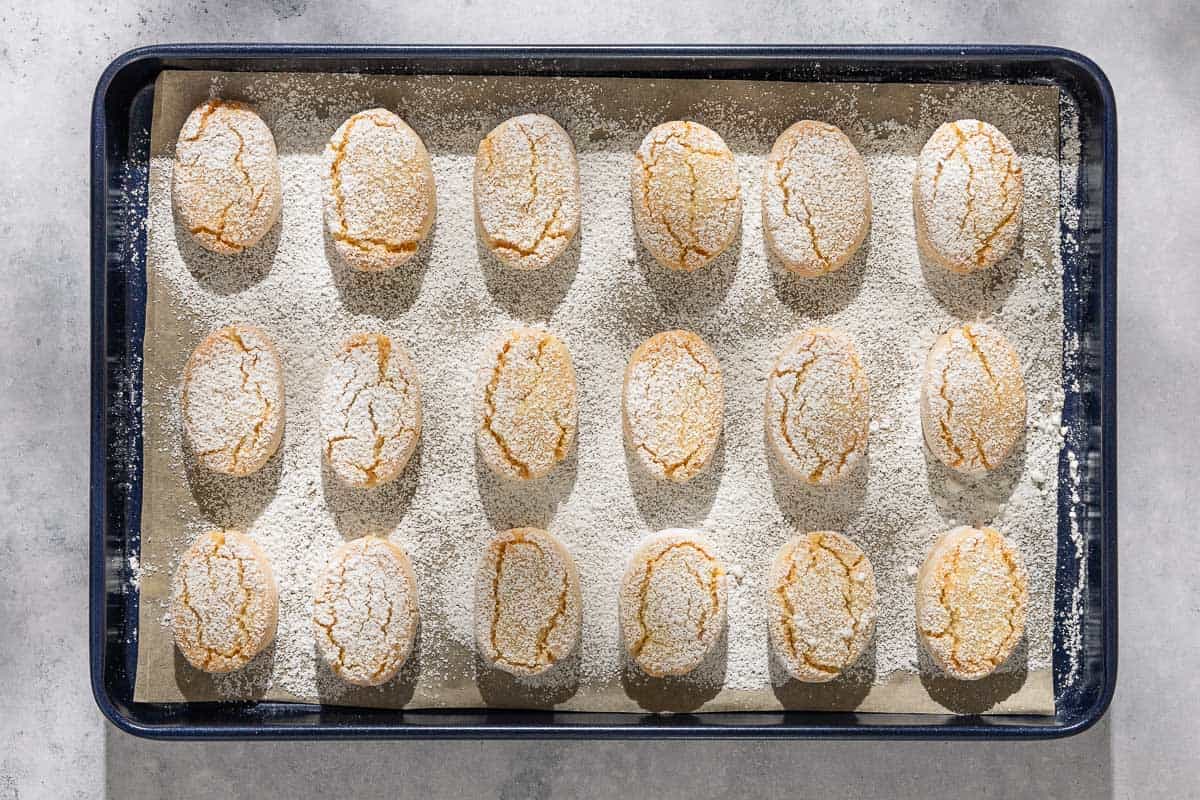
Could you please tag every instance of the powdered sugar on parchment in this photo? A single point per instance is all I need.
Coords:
(602, 297)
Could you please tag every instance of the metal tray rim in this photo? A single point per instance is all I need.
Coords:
(548, 724)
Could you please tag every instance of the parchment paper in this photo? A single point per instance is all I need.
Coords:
(177, 504)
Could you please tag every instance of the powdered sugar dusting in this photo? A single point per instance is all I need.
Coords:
(602, 297)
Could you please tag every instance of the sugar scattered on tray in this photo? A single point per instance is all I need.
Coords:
(453, 299)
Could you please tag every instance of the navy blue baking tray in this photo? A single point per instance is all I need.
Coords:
(120, 150)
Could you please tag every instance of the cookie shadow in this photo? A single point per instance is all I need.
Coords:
(666, 504)
(231, 501)
(967, 296)
(691, 294)
(509, 503)
(248, 684)
(974, 697)
(385, 294)
(377, 510)
(530, 295)
(396, 693)
(824, 294)
(228, 274)
(844, 693)
(556, 685)
(973, 499)
(817, 508)
(677, 693)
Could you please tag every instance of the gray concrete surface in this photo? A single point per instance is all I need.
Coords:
(56, 744)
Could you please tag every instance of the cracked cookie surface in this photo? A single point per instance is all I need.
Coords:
(232, 400)
(816, 201)
(225, 184)
(968, 192)
(527, 191)
(380, 198)
(224, 604)
(972, 593)
(526, 409)
(365, 611)
(370, 410)
(528, 606)
(672, 603)
(821, 605)
(818, 408)
(687, 201)
(973, 402)
(673, 405)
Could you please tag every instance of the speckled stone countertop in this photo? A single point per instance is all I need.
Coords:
(57, 743)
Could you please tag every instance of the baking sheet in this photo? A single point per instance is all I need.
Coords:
(445, 507)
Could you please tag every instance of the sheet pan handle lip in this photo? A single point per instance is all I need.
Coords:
(838, 52)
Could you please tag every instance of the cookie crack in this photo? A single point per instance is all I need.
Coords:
(489, 412)
(210, 108)
(543, 655)
(944, 419)
(669, 468)
(788, 620)
(952, 627)
(551, 229)
(660, 218)
(251, 438)
(712, 590)
(364, 244)
(243, 640)
(217, 231)
(331, 608)
(783, 174)
(560, 445)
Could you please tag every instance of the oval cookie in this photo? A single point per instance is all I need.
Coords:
(972, 593)
(816, 201)
(818, 408)
(527, 191)
(232, 400)
(527, 602)
(821, 605)
(380, 198)
(527, 410)
(365, 611)
(370, 410)
(687, 201)
(224, 604)
(672, 603)
(967, 196)
(673, 405)
(225, 185)
(972, 398)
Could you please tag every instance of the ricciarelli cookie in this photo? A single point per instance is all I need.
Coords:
(673, 405)
(224, 604)
(967, 196)
(527, 191)
(818, 407)
(672, 603)
(232, 400)
(365, 611)
(816, 201)
(527, 602)
(225, 184)
(380, 199)
(820, 605)
(526, 411)
(370, 410)
(687, 201)
(972, 593)
(972, 399)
